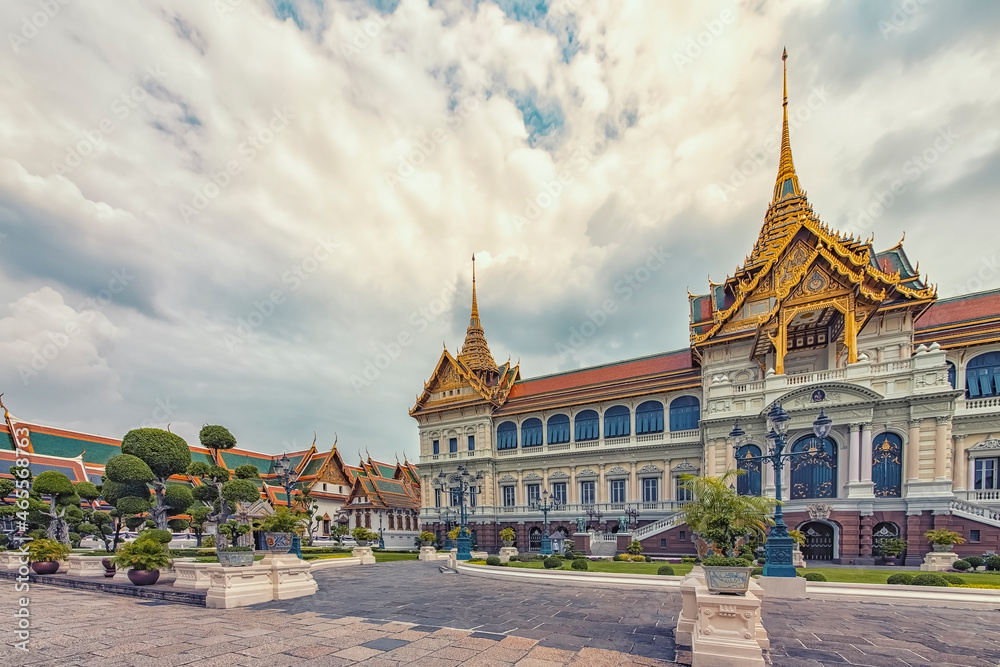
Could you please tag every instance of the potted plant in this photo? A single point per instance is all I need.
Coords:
(507, 536)
(891, 548)
(453, 535)
(363, 536)
(234, 556)
(942, 539)
(144, 558)
(798, 536)
(426, 538)
(45, 555)
(723, 521)
(279, 527)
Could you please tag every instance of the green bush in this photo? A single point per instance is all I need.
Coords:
(993, 563)
(649, 559)
(974, 561)
(161, 536)
(665, 570)
(208, 541)
(953, 579)
(900, 579)
(687, 559)
(74, 540)
(619, 558)
(961, 565)
(723, 561)
(493, 560)
(928, 579)
(580, 564)
(552, 563)
(757, 571)
(814, 576)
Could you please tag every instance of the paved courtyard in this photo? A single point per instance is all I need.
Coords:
(407, 613)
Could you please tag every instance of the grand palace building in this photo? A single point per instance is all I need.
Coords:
(814, 320)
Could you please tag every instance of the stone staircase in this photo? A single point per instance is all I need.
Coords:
(657, 527)
(976, 512)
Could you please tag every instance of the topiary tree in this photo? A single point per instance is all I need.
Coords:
(166, 454)
(199, 517)
(87, 491)
(178, 525)
(126, 488)
(178, 498)
(974, 561)
(61, 493)
(105, 528)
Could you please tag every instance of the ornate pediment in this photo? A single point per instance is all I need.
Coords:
(827, 395)
(506, 479)
(586, 472)
(558, 474)
(532, 477)
(988, 445)
(684, 468)
(649, 468)
(617, 470)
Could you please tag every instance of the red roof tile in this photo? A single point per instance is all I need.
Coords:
(961, 309)
(677, 360)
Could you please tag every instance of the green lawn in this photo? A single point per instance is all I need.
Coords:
(389, 556)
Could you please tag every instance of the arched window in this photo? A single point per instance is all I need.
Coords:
(685, 413)
(887, 465)
(535, 539)
(814, 471)
(507, 436)
(617, 422)
(886, 530)
(531, 432)
(951, 374)
(558, 429)
(392, 522)
(587, 426)
(649, 418)
(748, 484)
(982, 376)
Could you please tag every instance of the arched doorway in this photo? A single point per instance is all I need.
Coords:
(748, 484)
(886, 530)
(887, 465)
(814, 471)
(819, 541)
(535, 539)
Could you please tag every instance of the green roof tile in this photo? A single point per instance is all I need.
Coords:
(68, 448)
(235, 459)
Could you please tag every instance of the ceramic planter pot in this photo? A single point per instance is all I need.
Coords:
(45, 567)
(727, 580)
(942, 548)
(362, 543)
(425, 543)
(508, 543)
(109, 568)
(890, 560)
(235, 558)
(143, 577)
(278, 541)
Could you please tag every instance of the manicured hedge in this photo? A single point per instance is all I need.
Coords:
(900, 579)
(928, 579)
(580, 564)
(665, 570)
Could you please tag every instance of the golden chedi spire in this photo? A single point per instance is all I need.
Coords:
(787, 183)
(475, 352)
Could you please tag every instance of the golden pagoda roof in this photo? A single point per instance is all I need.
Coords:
(475, 352)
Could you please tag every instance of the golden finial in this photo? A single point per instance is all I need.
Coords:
(787, 182)
(6, 414)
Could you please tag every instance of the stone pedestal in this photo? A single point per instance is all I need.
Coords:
(231, 587)
(290, 576)
(85, 566)
(506, 553)
(12, 560)
(725, 632)
(797, 559)
(689, 606)
(762, 638)
(783, 588)
(192, 576)
(365, 554)
(938, 561)
(427, 553)
(479, 555)
(581, 543)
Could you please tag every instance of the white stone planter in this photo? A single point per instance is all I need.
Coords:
(192, 576)
(85, 566)
(11, 560)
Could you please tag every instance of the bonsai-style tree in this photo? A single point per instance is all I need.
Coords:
(88, 491)
(310, 510)
(126, 479)
(634, 547)
(722, 519)
(341, 531)
(283, 520)
(178, 498)
(103, 527)
(165, 454)
(199, 517)
(178, 525)
(216, 438)
(61, 494)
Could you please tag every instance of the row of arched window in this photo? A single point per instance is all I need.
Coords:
(982, 376)
(813, 473)
(684, 415)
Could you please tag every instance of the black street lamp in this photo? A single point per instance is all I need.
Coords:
(633, 516)
(287, 477)
(462, 484)
(779, 546)
(381, 540)
(594, 514)
(544, 505)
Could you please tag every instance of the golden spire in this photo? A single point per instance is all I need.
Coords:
(787, 182)
(475, 352)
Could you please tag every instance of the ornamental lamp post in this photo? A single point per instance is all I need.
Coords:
(462, 484)
(544, 505)
(594, 514)
(779, 546)
(633, 516)
(287, 477)
(381, 540)
(446, 518)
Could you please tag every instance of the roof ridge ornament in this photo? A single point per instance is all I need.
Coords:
(475, 353)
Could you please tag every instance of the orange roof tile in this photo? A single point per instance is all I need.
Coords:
(961, 309)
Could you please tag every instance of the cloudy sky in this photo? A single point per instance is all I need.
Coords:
(261, 213)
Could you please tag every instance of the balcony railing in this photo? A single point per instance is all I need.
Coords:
(609, 511)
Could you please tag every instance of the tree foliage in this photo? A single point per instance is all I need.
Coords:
(720, 516)
(128, 468)
(87, 491)
(216, 437)
(240, 491)
(53, 483)
(247, 472)
(178, 498)
(164, 452)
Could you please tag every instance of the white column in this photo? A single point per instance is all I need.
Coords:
(941, 434)
(854, 453)
(633, 482)
(572, 494)
(971, 484)
(959, 469)
(866, 452)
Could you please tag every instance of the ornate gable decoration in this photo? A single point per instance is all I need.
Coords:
(507, 479)
(586, 472)
(532, 477)
(649, 468)
(827, 395)
(989, 444)
(684, 468)
(617, 470)
(558, 474)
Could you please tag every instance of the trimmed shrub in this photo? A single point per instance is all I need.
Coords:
(814, 576)
(961, 565)
(649, 559)
(161, 536)
(580, 564)
(665, 570)
(974, 561)
(757, 571)
(493, 560)
(687, 559)
(900, 579)
(953, 579)
(208, 541)
(552, 563)
(928, 579)
(618, 558)
(993, 563)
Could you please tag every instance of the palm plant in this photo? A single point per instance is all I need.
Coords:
(722, 519)
(142, 554)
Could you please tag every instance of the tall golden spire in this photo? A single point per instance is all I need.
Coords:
(787, 183)
(475, 352)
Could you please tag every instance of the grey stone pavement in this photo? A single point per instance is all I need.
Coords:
(407, 613)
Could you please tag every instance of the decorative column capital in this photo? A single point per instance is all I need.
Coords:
(855, 427)
(866, 426)
(959, 438)
(914, 423)
(943, 420)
